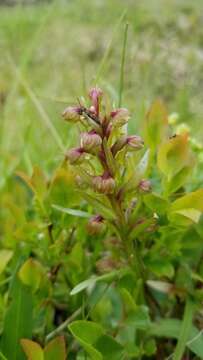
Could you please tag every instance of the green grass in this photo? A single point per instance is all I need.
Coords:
(58, 48)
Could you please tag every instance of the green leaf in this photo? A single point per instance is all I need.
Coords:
(179, 179)
(73, 212)
(174, 155)
(18, 321)
(184, 330)
(32, 349)
(128, 300)
(156, 124)
(191, 214)
(192, 200)
(55, 349)
(150, 347)
(62, 189)
(109, 157)
(87, 334)
(139, 172)
(142, 166)
(5, 257)
(160, 267)
(2, 357)
(37, 182)
(31, 273)
(161, 286)
(101, 207)
(96, 343)
(84, 285)
(92, 281)
(139, 317)
(156, 203)
(140, 228)
(170, 328)
(75, 258)
(187, 209)
(107, 345)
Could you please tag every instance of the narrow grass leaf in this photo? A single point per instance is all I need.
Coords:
(18, 321)
(73, 212)
(2, 357)
(123, 56)
(44, 116)
(170, 328)
(184, 330)
(108, 49)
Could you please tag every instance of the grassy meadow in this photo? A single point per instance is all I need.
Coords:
(57, 49)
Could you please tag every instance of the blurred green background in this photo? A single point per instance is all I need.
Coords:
(51, 53)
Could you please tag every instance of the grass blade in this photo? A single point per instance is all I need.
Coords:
(2, 357)
(73, 212)
(123, 56)
(38, 106)
(185, 330)
(25, 58)
(18, 321)
(108, 49)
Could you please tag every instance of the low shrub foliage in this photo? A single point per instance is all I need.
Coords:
(107, 262)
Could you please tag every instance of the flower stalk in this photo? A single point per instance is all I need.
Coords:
(109, 151)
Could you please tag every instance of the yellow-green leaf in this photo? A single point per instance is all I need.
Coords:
(174, 155)
(191, 214)
(56, 349)
(193, 200)
(5, 257)
(156, 124)
(32, 350)
(31, 273)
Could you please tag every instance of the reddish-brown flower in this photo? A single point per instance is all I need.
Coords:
(144, 186)
(91, 141)
(120, 117)
(95, 225)
(72, 114)
(75, 155)
(95, 95)
(104, 184)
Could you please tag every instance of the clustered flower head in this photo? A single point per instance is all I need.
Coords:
(102, 144)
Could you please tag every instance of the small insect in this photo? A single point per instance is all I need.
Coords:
(173, 136)
(83, 111)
